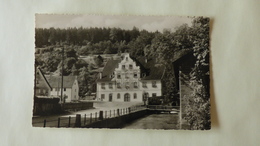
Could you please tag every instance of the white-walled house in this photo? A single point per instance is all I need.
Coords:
(70, 87)
(47, 86)
(129, 80)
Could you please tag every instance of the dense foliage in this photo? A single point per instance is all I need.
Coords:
(198, 103)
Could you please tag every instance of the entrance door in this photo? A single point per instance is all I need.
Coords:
(127, 97)
(110, 97)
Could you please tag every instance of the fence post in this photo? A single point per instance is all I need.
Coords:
(44, 123)
(69, 121)
(95, 116)
(105, 114)
(58, 122)
(85, 119)
(90, 121)
(114, 113)
(78, 120)
(129, 110)
(101, 115)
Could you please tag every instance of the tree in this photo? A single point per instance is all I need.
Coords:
(74, 70)
(98, 60)
(51, 60)
(84, 78)
(198, 109)
(69, 52)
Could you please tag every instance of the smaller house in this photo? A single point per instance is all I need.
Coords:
(47, 86)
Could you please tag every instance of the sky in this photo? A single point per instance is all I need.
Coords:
(149, 23)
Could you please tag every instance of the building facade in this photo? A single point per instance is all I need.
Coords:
(124, 80)
(47, 86)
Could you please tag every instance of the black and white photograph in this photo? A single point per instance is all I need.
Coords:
(122, 72)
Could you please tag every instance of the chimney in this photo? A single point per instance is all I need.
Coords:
(100, 75)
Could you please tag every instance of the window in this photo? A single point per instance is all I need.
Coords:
(64, 89)
(119, 76)
(37, 82)
(126, 76)
(135, 75)
(130, 66)
(127, 85)
(135, 95)
(102, 96)
(118, 85)
(103, 85)
(126, 58)
(144, 85)
(110, 97)
(110, 86)
(154, 95)
(135, 85)
(118, 95)
(154, 84)
(123, 66)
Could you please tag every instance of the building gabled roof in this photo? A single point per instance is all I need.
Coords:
(181, 54)
(41, 83)
(108, 70)
(153, 70)
(55, 81)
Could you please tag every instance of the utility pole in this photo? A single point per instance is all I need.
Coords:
(62, 100)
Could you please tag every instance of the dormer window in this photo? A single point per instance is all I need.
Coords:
(119, 76)
(135, 75)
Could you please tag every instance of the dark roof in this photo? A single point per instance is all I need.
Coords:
(108, 70)
(42, 81)
(181, 54)
(55, 81)
(152, 69)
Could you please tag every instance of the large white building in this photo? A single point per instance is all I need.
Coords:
(129, 80)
